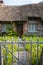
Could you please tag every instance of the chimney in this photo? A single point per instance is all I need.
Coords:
(1, 2)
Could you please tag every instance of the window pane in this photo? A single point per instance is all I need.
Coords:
(5, 27)
(33, 22)
(32, 28)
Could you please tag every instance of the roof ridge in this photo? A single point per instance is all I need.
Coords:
(41, 2)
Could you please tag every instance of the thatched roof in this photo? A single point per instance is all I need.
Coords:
(20, 13)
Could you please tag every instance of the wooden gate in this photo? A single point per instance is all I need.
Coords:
(26, 53)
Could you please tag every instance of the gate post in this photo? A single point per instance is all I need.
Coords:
(41, 63)
(0, 55)
(31, 50)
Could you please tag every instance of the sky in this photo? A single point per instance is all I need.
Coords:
(20, 2)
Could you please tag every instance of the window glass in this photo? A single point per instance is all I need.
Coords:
(5, 27)
(32, 27)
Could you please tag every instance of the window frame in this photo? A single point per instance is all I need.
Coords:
(4, 26)
(33, 24)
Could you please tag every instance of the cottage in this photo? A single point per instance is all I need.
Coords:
(26, 19)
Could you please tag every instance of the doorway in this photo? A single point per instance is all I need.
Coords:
(20, 29)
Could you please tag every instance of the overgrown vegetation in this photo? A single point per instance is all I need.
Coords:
(27, 48)
(36, 52)
(13, 36)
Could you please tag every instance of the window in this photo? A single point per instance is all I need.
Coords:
(5, 27)
(32, 27)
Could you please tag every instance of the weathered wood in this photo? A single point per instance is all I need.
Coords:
(41, 59)
(0, 55)
(21, 56)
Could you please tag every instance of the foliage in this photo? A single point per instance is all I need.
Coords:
(27, 48)
(11, 32)
(8, 38)
(34, 50)
(32, 38)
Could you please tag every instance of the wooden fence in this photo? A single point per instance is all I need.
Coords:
(28, 53)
